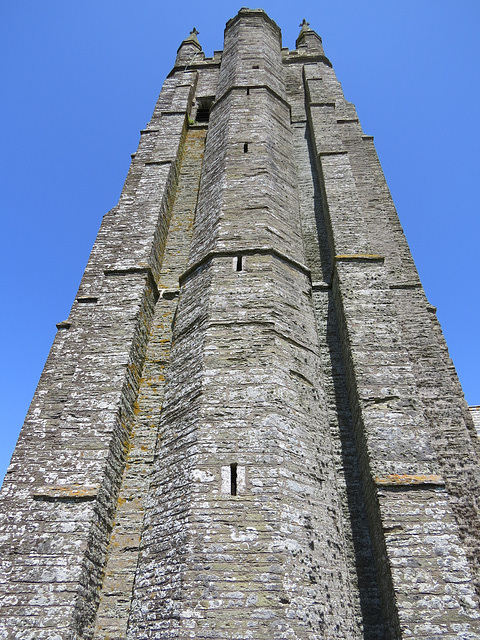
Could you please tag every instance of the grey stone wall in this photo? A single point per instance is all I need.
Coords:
(244, 388)
(61, 489)
(403, 415)
(249, 425)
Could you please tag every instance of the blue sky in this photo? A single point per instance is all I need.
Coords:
(80, 79)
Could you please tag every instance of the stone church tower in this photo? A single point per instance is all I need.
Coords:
(248, 427)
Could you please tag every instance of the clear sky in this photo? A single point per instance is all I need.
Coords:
(80, 78)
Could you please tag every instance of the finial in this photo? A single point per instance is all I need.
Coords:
(189, 49)
(308, 39)
(192, 39)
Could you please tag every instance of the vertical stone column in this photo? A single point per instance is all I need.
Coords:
(419, 505)
(243, 533)
(60, 493)
(361, 558)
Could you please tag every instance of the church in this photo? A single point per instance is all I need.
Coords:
(248, 426)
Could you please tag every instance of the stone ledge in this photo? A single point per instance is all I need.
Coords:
(237, 87)
(406, 285)
(75, 493)
(87, 299)
(169, 294)
(339, 152)
(295, 56)
(208, 62)
(322, 104)
(65, 324)
(406, 480)
(244, 252)
(321, 286)
(359, 257)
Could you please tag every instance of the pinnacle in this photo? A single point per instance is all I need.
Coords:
(307, 32)
(192, 38)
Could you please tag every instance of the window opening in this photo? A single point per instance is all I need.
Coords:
(203, 110)
(203, 114)
(248, 91)
(255, 66)
(245, 147)
(239, 263)
(233, 479)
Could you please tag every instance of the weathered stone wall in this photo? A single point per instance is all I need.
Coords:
(115, 596)
(411, 426)
(60, 492)
(244, 389)
(362, 564)
(249, 425)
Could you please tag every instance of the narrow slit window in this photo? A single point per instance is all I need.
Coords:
(248, 91)
(255, 66)
(233, 479)
(239, 263)
(245, 147)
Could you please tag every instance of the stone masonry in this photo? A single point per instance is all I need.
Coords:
(249, 426)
